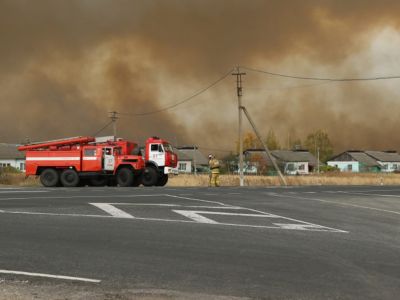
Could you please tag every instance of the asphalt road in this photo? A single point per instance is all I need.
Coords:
(272, 243)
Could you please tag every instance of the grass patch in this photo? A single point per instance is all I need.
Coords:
(19, 179)
(322, 179)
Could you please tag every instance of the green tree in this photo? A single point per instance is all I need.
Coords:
(319, 140)
(272, 141)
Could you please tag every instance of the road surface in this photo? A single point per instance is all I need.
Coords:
(204, 243)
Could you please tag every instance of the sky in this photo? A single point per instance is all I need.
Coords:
(65, 64)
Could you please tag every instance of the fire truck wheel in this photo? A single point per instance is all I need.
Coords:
(69, 178)
(149, 176)
(49, 178)
(162, 180)
(125, 177)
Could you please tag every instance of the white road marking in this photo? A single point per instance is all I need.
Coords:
(49, 276)
(338, 203)
(311, 227)
(195, 199)
(113, 211)
(366, 194)
(79, 197)
(195, 216)
(299, 221)
(22, 191)
(300, 227)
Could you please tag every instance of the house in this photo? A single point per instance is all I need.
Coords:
(366, 161)
(191, 158)
(11, 157)
(290, 162)
(389, 161)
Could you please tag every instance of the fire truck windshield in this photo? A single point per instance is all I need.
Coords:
(168, 148)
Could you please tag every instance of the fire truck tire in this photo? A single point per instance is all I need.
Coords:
(125, 177)
(162, 180)
(98, 181)
(49, 178)
(69, 178)
(150, 176)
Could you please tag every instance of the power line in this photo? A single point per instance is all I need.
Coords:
(182, 101)
(321, 78)
(108, 124)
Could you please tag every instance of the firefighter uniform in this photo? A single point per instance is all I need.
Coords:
(214, 171)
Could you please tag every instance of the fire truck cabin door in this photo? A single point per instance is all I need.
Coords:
(109, 159)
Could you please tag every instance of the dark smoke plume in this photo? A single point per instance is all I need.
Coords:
(65, 64)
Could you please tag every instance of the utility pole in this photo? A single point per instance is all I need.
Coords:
(267, 152)
(238, 75)
(114, 118)
(194, 160)
(318, 160)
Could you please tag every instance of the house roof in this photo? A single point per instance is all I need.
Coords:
(370, 158)
(9, 151)
(288, 156)
(384, 156)
(190, 154)
(364, 158)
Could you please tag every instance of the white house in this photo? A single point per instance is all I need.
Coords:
(389, 161)
(11, 157)
(291, 162)
(366, 161)
(189, 158)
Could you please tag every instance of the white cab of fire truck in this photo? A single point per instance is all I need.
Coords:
(109, 158)
(160, 161)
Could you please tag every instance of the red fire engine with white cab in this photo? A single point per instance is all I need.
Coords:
(80, 161)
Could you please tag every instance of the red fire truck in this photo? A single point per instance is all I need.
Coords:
(99, 161)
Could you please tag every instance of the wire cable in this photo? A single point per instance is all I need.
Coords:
(108, 124)
(182, 101)
(321, 78)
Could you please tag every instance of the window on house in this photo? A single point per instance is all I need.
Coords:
(302, 167)
(290, 167)
(350, 167)
(182, 166)
(22, 166)
(395, 166)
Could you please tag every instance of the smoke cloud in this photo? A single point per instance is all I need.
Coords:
(65, 64)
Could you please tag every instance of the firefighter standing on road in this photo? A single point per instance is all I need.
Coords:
(213, 163)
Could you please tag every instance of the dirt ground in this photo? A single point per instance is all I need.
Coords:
(11, 289)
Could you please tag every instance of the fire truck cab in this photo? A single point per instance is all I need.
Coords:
(160, 161)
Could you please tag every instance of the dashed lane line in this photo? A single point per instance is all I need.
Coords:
(49, 276)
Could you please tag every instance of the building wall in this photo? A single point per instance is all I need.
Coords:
(19, 164)
(388, 167)
(296, 168)
(345, 166)
(185, 166)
